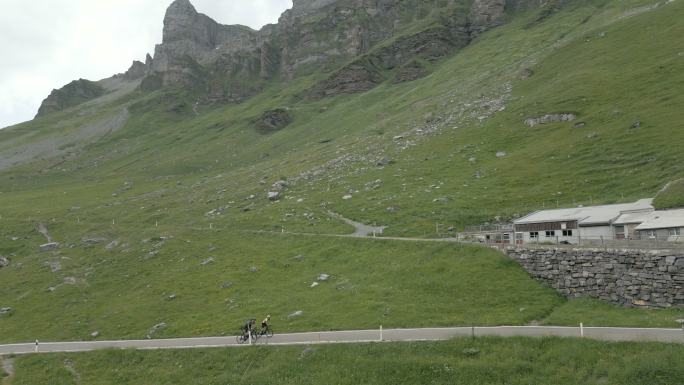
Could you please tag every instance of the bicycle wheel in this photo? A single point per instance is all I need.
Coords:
(268, 333)
(240, 339)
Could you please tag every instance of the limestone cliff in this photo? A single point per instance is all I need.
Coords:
(359, 43)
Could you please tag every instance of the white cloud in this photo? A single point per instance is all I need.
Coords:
(48, 43)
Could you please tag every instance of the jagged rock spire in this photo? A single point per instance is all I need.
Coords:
(180, 21)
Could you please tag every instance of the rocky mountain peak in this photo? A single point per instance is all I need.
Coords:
(181, 8)
(301, 7)
(181, 21)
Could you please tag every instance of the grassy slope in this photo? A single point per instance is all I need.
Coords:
(182, 166)
(463, 361)
(124, 293)
(671, 197)
(569, 56)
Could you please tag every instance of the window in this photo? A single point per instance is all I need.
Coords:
(567, 233)
(651, 233)
(550, 234)
(675, 232)
(534, 235)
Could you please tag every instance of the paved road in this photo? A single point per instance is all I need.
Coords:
(360, 336)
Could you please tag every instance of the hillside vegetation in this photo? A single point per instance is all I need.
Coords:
(671, 197)
(555, 108)
(464, 361)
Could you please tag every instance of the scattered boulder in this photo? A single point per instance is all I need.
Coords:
(323, 277)
(579, 125)
(226, 285)
(53, 266)
(296, 314)
(156, 328)
(4, 262)
(52, 246)
(273, 196)
(347, 197)
(471, 352)
(6, 311)
(208, 261)
(299, 258)
(273, 121)
(279, 185)
(636, 124)
(550, 118)
(315, 284)
(253, 269)
(384, 162)
(112, 245)
(95, 334)
(307, 352)
(501, 154)
(93, 241)
(171, 297)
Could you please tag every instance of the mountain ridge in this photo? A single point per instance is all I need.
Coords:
(219, 61)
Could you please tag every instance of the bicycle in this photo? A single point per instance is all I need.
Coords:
(242, 338)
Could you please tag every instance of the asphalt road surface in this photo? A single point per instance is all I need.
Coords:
(359, 336)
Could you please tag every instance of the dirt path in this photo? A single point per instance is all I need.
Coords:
(43, 230)
(362, 230)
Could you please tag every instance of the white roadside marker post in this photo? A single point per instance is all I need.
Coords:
(582, 329)
(249, 332)
(381, 337)
(36, 346)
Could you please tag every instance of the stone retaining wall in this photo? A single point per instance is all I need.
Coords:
(633, 278)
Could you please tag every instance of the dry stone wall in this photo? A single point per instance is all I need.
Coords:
(631, 278)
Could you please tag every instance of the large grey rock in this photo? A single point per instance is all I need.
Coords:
(323, 277)
(296, 314)
(5, 311)
(4, 262)
(52, 246)
(273, 196)
(156, 328)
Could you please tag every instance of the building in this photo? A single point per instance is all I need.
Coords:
(572, 225)
(624, 227)
(666, 225)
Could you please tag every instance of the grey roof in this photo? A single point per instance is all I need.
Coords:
(666, 219)
(585, 216)
(634, 216)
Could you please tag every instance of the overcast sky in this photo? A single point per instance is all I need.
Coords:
(45, 44)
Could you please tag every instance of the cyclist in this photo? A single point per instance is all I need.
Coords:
(248, 328)
(264, 324)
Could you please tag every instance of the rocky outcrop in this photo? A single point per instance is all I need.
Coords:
(550, 118)
(631, 278)
(231, 63)
(304, 7)
(411, 71)
(486, 14)
(273, 120)
(71, 95)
